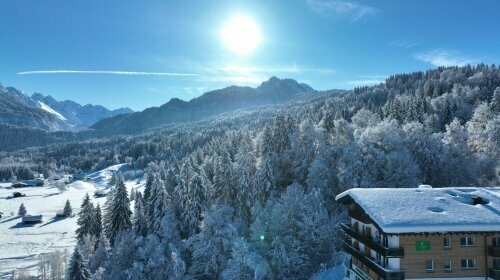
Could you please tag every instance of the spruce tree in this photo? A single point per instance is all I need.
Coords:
(86, 218)
(100, 257)
(244, 195)
(22, 210)
(118, 212)
(139, 223)
(77, 269)
(223, 186)
(154, 206)
(264, 182)
(193, 207)
(68, 211)
(148, 187)
(97, 224)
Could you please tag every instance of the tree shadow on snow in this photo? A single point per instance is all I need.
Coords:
(53, 220)
(22, 225)
(51, 194)
(8, 220)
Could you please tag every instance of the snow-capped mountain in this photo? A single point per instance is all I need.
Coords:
(44, 112)
(17, 108)
(80, 117)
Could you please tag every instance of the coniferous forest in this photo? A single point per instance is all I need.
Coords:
(251, 194)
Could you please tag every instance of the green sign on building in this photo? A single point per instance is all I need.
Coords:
(423, 245)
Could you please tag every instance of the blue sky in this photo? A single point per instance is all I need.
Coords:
(139, 54)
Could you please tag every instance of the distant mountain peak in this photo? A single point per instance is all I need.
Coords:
(291, 85)
(271, 92)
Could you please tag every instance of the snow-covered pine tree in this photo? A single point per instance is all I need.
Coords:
(86, 247)
(156, 206)
(211, 247)
(22, 210)
(150, 261)
(118, 212)
(150, 197)
(245, 263)
(223, 189)
(97, 224)
(178, 266)
(169, 231)
(266, 142)
(86, 218)
(244, 195)
(281, 133)
(67, 211)
(193, 206)
(122, 256)
(100, 274)
(77, 269)
(100, 257)
(139, 221)
(147, 188)
(170, 184)
(264, 181)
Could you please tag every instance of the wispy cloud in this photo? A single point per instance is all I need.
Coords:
(342, 9)
(105, 72)
(367, 80)
(405, 43)
(441, 57)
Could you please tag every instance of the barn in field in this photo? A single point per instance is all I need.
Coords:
(32, 219)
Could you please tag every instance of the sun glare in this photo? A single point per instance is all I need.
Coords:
(241, 35)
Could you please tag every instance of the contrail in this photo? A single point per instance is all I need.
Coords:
(106, 72)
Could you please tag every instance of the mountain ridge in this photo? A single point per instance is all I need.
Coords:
(46, 113)
(271, 92)
(80, 116)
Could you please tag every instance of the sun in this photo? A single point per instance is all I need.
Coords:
(241, 35)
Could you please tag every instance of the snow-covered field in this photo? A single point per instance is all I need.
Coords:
(20, 245)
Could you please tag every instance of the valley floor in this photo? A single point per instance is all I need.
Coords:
(20, 245)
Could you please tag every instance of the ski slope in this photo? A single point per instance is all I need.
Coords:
(20, 245)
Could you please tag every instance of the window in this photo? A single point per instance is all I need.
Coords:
(496, 264)
(468, 264)
(467, 241)
(496, 241)
(447, 265)
(429, 265)
(447, 242)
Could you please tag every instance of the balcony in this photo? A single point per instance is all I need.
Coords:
(372, 244)
(359, 215)
(495, 274)
(494, 251)
(384, 273)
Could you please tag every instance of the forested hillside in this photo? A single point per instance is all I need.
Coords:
(272, 92)
(252, 194)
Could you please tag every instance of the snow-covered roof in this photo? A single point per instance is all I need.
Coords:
(414, 210)
(32, 218)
